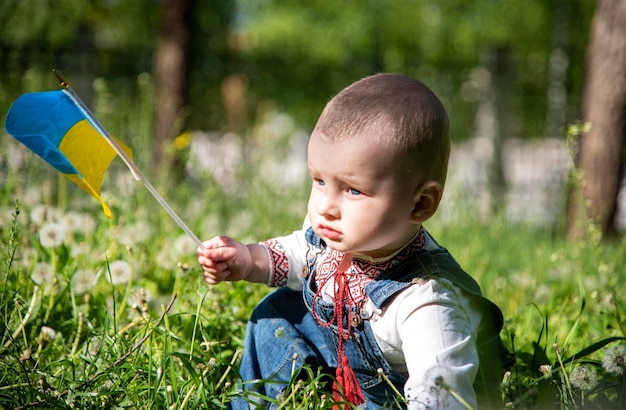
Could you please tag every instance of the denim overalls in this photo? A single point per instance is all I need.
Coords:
(282, 334)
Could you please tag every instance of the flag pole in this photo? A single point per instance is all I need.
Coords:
(137, 174)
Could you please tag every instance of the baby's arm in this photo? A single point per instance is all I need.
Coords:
(429, 329)
(225, 259)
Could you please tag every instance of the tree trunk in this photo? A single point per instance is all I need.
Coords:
(601, 151)
(490, 119)
(170, 74)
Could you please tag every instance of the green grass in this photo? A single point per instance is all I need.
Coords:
(179, 346)
(161, 338)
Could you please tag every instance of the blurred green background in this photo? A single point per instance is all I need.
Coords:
(155, 71)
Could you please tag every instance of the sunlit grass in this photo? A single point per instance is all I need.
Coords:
(98, 313)
(113, 341)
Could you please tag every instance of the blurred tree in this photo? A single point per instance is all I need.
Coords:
(503, 69)
(314, 49)
(517, 62)
(602, 149)
(212, 61)
(170, 70)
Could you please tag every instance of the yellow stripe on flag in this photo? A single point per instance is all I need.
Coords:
(90, 154)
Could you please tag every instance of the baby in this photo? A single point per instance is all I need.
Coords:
(365, 292)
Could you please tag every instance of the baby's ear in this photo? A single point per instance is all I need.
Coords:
(427, 197)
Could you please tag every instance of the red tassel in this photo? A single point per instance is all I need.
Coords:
(346, 387)
(349, 384)
(346, 378)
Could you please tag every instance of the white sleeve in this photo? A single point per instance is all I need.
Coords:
(429, 332)
(287, 255)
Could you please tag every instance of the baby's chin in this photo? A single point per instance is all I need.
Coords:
(342, 246)
(337, 245)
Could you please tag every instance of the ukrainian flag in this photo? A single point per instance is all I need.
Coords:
(50, 124)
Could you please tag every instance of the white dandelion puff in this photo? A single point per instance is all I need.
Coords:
(48, 333)
(546, 370)
(139, 299)
(71, 221)
(134, 234)
(118, 272)
(80, 249)
(43, 213)
(42, 274)
(123, 236)
(38, 214)
(166, 258)
(583, 378)
(51, 235)
(142, 231)
(93, 347)
(440, 382)
(32, 196)
(26, 257)
(437, 379)
(614, 360)
(184, 245)
(83, 281)
(88, 224)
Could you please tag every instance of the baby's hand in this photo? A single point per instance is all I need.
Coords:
(224, 259)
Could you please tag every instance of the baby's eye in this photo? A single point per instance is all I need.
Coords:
(354, 192)
(319, 182)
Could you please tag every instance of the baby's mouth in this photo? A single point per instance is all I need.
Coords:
(329, 232)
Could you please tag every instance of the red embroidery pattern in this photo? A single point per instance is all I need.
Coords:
(362, 271)
(278, 261)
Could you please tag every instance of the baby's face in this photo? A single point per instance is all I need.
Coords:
(358, 202)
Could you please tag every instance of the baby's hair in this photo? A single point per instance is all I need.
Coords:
(401, 112)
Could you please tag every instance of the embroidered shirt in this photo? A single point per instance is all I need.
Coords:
(426, 331)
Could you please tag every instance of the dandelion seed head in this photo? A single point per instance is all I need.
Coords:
(79, 249)
(31, 196)
(139, 299)
(51, 235)
(184, 245)
(142, 231)
(438, 378)
(71, 221)
(88, 223)
(133, 234)
(83, 281)
(41, 214)
(212, 363)
(546, 370)
(42, 273)
(93, 347)
(26, 257)
(48, 333)
(166, 258)
(119, 272)
(614, 360)
(583, 377)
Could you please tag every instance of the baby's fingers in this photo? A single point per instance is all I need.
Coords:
(216, 273)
